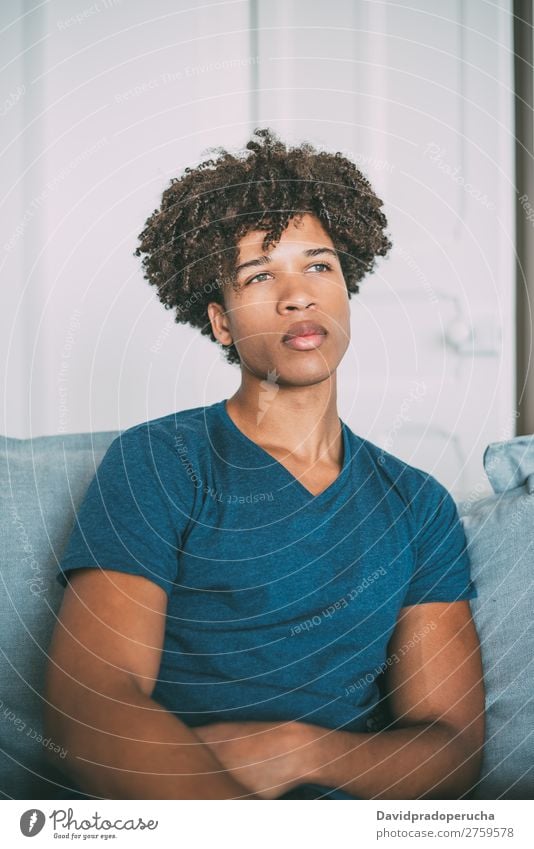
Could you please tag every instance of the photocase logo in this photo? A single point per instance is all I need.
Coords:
(31, 822)
(269, 389)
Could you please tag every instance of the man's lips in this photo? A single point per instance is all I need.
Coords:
(305, 343)
(302, 329)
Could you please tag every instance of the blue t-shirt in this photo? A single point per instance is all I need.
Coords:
(280, 603)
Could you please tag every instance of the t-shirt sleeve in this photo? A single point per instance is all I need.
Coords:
(133, 515)
(442, 569)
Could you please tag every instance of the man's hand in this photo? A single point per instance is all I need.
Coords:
(268, 758)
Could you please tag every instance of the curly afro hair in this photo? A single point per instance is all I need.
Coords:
(191, 241)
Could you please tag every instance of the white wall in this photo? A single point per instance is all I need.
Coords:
(120, 99)
(128, 96)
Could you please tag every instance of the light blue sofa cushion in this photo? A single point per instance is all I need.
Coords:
(500, 536)
(42, 483)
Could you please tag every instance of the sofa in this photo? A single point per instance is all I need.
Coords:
(42, 483)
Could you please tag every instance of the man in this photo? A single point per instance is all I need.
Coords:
(245, 576)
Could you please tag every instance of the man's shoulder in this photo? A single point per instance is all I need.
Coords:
(170, 429)
(180, 438)
(411, 482)
(390, 463)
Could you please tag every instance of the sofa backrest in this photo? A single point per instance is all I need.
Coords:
(42, 483)
(500, 534)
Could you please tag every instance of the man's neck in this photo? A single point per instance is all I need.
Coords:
(302, 421)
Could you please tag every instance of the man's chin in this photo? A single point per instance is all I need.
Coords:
(297, 375)
(286, 367)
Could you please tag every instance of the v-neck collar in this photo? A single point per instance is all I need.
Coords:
(231, 425)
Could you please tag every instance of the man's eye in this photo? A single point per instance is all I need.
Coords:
(261, 274)
(264, 273)
(324, 264)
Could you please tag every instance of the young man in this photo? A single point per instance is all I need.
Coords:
(243, 577)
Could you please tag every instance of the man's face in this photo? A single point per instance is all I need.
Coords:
(299, 280)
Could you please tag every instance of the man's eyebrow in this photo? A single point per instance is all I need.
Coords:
(265, 260)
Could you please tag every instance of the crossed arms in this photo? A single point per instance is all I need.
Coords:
(104, 661)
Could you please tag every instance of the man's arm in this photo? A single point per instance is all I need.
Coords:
(436, 695)
(433, 749)
(104, 660)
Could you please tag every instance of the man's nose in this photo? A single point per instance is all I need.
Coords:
(297, 289)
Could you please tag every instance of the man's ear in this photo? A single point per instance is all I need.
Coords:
(219, 323)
